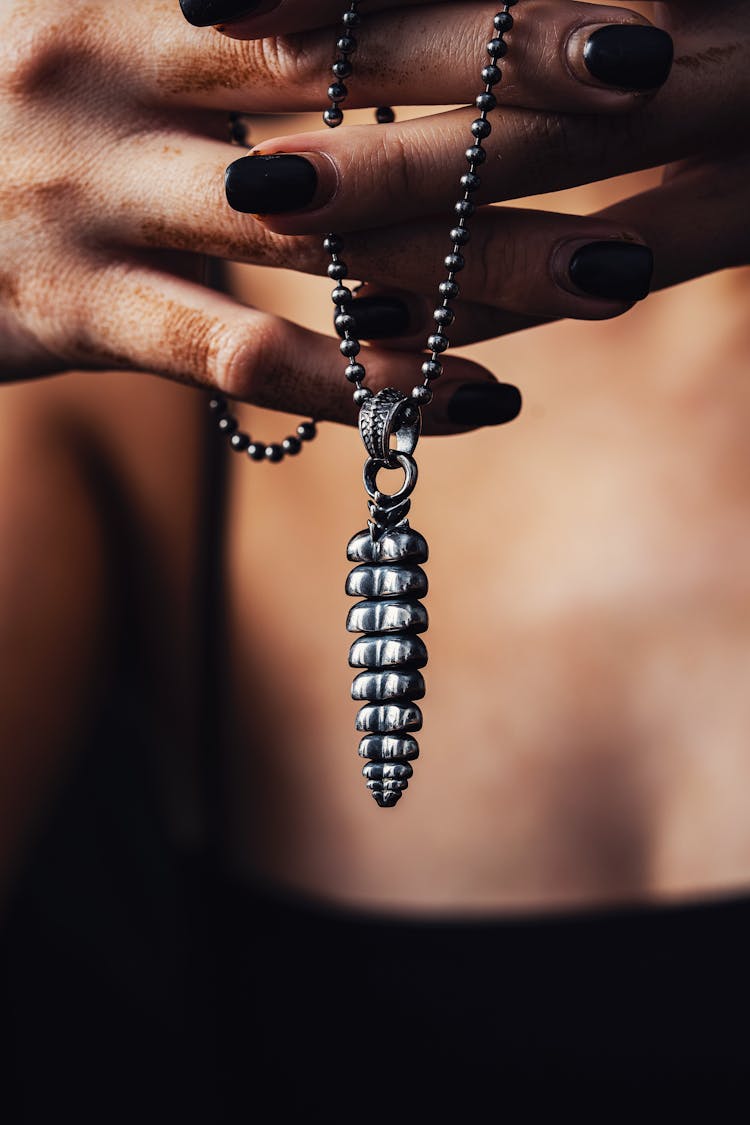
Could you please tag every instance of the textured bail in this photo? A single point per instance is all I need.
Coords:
(389, 414)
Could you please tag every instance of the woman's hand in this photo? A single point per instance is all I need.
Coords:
(587, 93)
(113, 162)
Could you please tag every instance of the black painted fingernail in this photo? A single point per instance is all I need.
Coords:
(621, 271)
(203, 13)
(270, 185)
(378, 318)
(629, 56)
(484, 404)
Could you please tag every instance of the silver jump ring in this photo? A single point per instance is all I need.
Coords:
(373, 465)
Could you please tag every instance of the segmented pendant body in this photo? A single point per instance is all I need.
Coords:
(390, 653)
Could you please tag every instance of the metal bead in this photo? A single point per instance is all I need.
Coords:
(306, 431)
(503, 21)
(422, 395)
(454, 262)
(432, 369)
(350, 348)
(240, 442)
(256, 451)
(497, 49)
(465, 208)
(337, 270)
(344, 322)
(491, 75)
(388, 616)
(342, 68)
(351, 19)
(361, 395)
(347, 44)
(389, 748)
(395, 546)
(217, 404)
(386, 580)
(355, 372)
(481, 128)
(475, 154)
(485, 102)
(444, 316)
(470, 181)
(389, 718)
(438, 343)
(291, 446)
(333, 117)
(460, 236)
(449, 289)
(380, 652)
(384, 115)
(274, 453)
(341, 295)
(381, 687)
(238, 130)
(333, 243)
(337, 91)
(227, 424)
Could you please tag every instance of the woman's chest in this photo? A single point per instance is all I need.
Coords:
(586, 723)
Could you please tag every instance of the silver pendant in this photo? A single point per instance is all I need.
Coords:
(390, 580)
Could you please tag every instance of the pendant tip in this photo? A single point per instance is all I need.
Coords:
(387, 799)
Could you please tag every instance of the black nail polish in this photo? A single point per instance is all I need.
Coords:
(621, 271)
(484, 404)
(270, 185)
(630, 56)
(378, 318)
(203, 13)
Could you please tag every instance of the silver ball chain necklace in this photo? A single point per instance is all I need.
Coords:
(388, 575)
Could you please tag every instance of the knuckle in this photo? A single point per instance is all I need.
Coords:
(241, 357)
(27, 60)
(39, 55)
(396, 165)
(281, 61)
(303, 253)
(498, 257)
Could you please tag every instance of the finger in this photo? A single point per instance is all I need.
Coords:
(130, 315)
(564, 55)
(529, 263)
(245, 19)
(521, 261)
(402, 319)
(368, 175)
(696, 221)
(532, 263)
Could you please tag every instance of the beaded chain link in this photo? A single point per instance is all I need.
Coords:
(449, 289)
(239, 440)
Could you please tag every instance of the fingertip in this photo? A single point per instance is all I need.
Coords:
(484, 403)
(620, 61)
(229, 16)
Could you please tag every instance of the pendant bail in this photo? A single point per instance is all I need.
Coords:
(388, 415)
